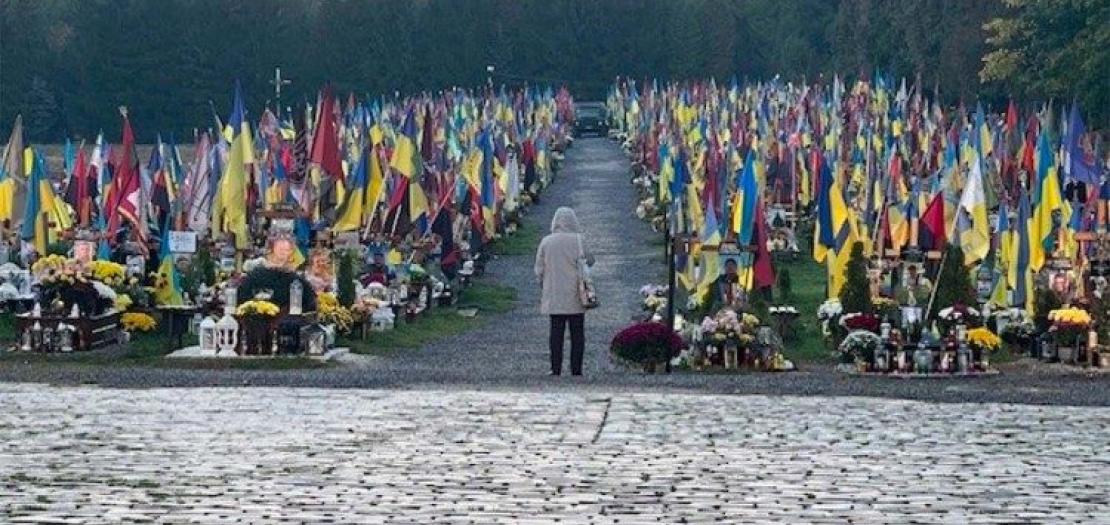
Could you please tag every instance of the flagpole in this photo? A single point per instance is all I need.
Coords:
(933, 292)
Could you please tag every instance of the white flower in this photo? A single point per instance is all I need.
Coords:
(104, 290)
(829, 309)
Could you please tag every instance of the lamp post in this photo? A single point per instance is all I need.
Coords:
(278, 81)
(668, 255)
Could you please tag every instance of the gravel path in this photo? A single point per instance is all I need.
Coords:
(509, 353)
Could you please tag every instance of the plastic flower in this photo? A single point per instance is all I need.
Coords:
(137, 321)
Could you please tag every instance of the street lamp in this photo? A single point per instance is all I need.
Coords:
(489, 75)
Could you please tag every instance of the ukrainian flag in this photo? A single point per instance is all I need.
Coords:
(351, 211)
(169, 290)
(229, 209)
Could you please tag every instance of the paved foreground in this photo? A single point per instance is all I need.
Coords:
(92, 455)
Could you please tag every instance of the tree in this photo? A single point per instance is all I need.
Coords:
(855, 294)
(953, 286)
(345, 276)
(1052, 49)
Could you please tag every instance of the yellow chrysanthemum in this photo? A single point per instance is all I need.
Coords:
(258, 307)
(984, 339)
(137, 321)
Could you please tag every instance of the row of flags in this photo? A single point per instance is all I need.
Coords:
(391, 167)
(875, 162)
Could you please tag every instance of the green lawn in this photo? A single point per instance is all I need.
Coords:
(521, 242)
(807, 293)
(439, 322)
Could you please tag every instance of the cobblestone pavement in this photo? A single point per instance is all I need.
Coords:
(211, 455)
(510, 353)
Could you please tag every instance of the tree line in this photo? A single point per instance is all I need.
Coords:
(66, 65)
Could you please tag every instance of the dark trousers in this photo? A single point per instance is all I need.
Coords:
(577, 342)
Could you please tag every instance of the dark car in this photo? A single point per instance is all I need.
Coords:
(589, 117)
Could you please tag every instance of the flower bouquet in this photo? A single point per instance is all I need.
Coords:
(646, 344)
(655, 300)
(329, 311)
(858, 347)
(958, 314)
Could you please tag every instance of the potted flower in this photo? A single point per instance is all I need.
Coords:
(982, 342)
(257, 316)
(858, 348)
(1068, 325)
(646, 344)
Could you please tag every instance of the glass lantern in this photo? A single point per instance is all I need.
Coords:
(313, 340)
(296, 292)
(25, 341)
(231, 299)
(208, 338)
(65, 337)
(36, 336)
(227, 335)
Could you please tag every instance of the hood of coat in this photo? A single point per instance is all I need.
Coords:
(564, 221)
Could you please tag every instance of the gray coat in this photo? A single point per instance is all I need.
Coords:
(556, 266)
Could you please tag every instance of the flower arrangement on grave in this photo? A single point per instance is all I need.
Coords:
(109, 273)
(729, 327)
(258, 307)
(1068, 324)
(829, 314)
(860, 321)
(885, 308)
(983, 340)
(137, 322)
(646, 343)
(859, 346)
(958, 314)
(654, 298)
(66, 282)
(329, 311)
(1019, 333)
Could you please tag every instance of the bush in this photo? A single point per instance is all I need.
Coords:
(647, 342)
(855, 294)
(953, 284)
(345, 276)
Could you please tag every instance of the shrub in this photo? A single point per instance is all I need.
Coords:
(855, 294)
(646, 343)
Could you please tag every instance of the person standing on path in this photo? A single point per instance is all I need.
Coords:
(557, 269)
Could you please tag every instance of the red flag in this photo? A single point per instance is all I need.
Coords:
(325, 141)
(764, 272)
(931, 234)
(77, 193)
(123, 194)
(1011, 117)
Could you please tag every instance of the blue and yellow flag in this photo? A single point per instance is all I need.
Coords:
(229, 206)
